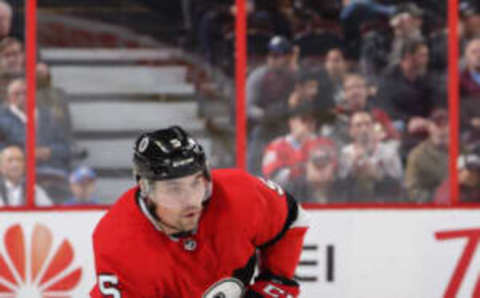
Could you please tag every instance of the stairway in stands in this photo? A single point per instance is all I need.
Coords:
(114, 96)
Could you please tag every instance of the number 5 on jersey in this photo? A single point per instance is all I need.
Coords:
(108, 285)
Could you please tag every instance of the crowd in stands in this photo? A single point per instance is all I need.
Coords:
(55, 148)
(347, 100)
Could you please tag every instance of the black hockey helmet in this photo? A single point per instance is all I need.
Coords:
(167, 154)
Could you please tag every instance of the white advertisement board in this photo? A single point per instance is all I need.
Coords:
(395, 254)
(47, 254)
(347, 254)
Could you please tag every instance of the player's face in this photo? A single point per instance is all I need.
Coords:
(179, 201)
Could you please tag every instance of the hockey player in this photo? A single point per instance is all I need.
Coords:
(184, 231)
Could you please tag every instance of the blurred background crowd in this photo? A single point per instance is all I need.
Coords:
(346, 99)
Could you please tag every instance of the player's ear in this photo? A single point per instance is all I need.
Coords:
(144, 187)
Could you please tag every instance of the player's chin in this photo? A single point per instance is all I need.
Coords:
(190, 222)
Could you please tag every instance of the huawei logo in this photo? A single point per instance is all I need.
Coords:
(32, 268)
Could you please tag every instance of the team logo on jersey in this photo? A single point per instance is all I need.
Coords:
(190, 245)
(32, 268)
(226, 288)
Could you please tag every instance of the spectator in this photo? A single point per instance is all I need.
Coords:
(82, 185)
(12, 56)
(311, 89)
(470, 122)
(468, 180)
(268, 88)
(470, 77)
(381, 47)
(355, 15)
(284, 158)
(5, 19)
(438, 45)
(212, 29)
(469, 20)
(407, 26)
(315, 38)
(355, 98)
(427, 164)
(369, 170)
(336, 67)
(405, 91)
(12, 62)
(12, 181)
(318, 184)
(53, 98)
(53, 148)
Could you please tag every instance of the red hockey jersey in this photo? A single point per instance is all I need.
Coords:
(134, 259)
(285, 152)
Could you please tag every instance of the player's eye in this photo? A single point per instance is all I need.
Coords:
(175, 189)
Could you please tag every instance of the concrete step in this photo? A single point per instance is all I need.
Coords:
(80, 56)
(117, 153)
(124, 80)
(109, 189)
(111, 116)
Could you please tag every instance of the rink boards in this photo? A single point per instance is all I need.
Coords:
(347, 253)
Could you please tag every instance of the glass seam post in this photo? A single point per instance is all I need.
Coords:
(31, 52)
(240, 73)
(453, 96)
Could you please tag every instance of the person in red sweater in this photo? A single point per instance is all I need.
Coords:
(284, 159)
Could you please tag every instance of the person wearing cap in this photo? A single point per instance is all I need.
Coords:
(285, 157)
(468, 179)
(12, 180)
(318, 184)
(427, 163)
(368, 170)
(272, 81)
(82, 185)
(268, 88)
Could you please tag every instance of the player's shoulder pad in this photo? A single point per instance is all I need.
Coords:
(247, 183)
(117, 223)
